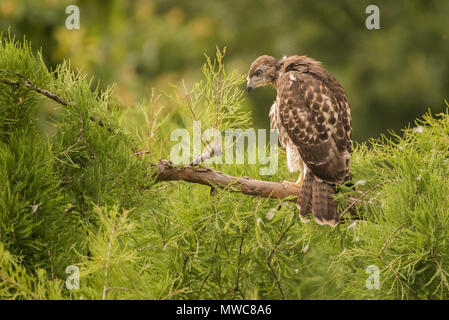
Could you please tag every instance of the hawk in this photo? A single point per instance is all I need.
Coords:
(313, 119)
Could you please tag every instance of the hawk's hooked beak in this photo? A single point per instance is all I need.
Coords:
(249, 84)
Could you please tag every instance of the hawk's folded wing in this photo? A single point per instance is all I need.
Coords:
(314, 111)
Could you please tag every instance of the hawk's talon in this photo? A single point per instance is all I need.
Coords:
(295, 184)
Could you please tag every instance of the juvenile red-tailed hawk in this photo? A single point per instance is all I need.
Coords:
(313, 119)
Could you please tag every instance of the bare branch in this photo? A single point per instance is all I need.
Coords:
(29, 84)
(166, 171)
(51, 95)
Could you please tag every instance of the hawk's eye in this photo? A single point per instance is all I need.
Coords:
(258, 72)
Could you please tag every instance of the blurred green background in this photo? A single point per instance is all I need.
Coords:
(392, 75)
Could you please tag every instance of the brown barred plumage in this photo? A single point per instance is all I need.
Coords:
(313, 119)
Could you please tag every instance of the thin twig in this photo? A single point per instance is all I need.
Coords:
(51, 95)
(141, 152)
(390, 237)
(193, 114)
(154, 107)
(218, 100)
(51, 266)
(215, 152)
(237, 277)
(111, 238)
(107, 263)
(29, 84)
(209, 273)
(357, 200)
(270, 256)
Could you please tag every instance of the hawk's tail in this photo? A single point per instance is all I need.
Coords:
(318, 195)
(304, 202)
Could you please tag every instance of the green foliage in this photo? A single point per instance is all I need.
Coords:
(406, 208)
(17, 283)
(74, 194)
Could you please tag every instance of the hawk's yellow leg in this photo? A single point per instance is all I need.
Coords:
(302, 175)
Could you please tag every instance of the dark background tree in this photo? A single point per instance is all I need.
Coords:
(392, 75)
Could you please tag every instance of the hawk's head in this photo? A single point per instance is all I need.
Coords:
(263, 71)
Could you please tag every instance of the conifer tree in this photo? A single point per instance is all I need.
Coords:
(79, 188)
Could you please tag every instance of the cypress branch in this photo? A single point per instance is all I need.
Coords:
(51, 95)
(165, 171)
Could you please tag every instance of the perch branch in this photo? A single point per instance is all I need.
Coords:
(166, 171)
